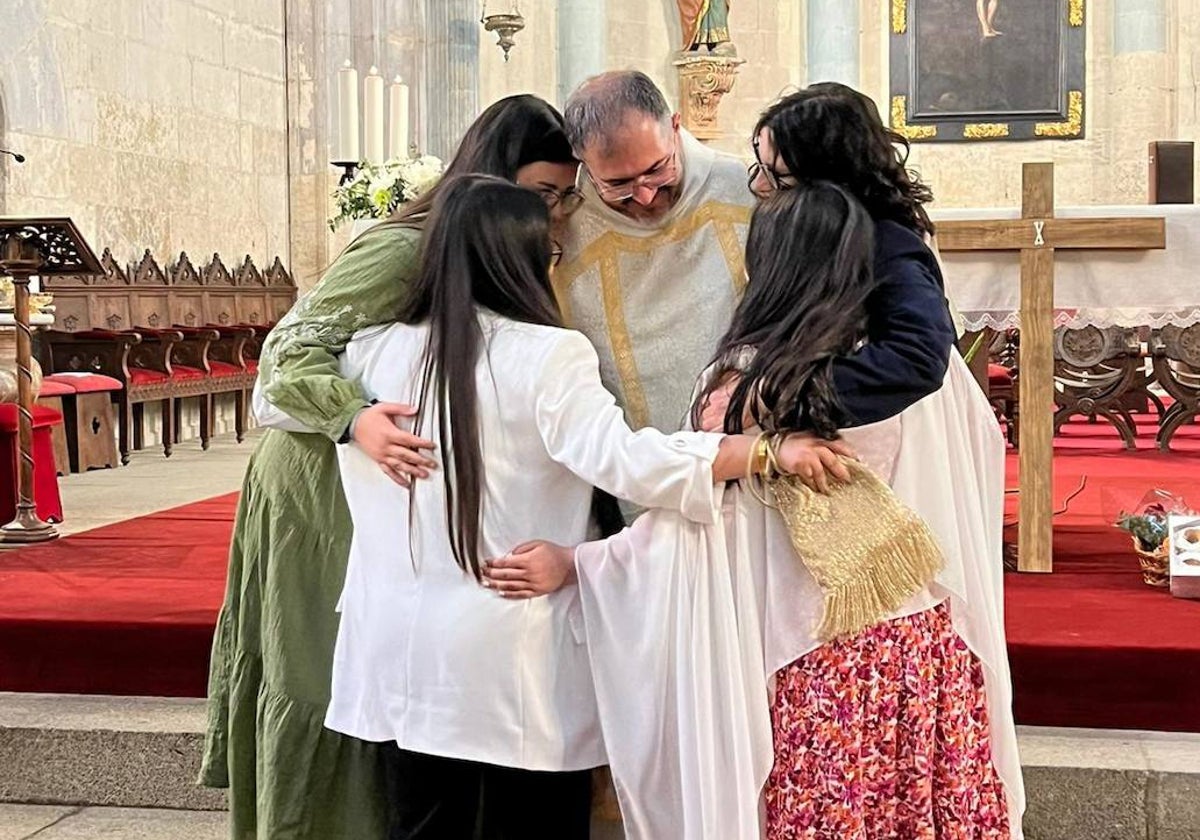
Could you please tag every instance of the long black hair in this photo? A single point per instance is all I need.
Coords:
(831, 132)
(809, 261)
(487, 245)
(509, 134)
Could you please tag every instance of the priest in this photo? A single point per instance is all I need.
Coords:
(653, 261)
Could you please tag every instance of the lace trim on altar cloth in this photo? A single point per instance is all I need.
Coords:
(1006, 319)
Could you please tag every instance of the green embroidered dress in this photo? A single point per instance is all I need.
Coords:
(289, 777)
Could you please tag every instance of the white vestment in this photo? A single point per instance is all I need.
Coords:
(687, 624)
(655, 296)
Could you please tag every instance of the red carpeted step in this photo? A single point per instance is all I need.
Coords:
(1091, 645)
(130, 608)
(125, 609)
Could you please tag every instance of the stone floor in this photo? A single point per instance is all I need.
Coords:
(152, 482)
(61, 822)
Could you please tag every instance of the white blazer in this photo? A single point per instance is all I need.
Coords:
(425, 655)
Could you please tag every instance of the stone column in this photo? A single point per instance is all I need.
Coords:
(1140, 105)
(582, 42)
(832, 41)
(452, 72)
(1139, 26)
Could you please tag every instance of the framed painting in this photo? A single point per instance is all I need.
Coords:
(970, 70)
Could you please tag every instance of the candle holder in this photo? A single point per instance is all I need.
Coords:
(505, 26)
(349, 170)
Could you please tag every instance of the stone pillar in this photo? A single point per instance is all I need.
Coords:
(452, 72)
(1139, 26)
(582, 43)
(1140, 105)
(832, 41)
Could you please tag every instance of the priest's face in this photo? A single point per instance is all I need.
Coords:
(638, 170)
(555, 183)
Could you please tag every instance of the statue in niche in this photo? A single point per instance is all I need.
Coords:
(705, 25)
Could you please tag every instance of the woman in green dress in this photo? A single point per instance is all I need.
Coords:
(289, 777)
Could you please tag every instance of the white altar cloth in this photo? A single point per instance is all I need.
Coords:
(1097, 288)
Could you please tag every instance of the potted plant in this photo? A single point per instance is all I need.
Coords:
(1148, 530)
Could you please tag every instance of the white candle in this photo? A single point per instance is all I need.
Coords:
(398, 119)
(346, 147)
(373, 116)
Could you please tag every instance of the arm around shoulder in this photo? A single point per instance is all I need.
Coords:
(365, 286)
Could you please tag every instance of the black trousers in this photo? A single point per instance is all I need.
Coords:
(434, 798)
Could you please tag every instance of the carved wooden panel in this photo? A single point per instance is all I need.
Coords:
(187, 308)
(277, 275)
(114, 274)
(147, 272)
(222, 309)
(182, 272)
(247, 274)
(111, 312)
(71, 312)
(279, 306)
(151, 309)
(252, 309)
(215, 273)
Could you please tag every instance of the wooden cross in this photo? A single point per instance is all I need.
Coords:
(1036, 235)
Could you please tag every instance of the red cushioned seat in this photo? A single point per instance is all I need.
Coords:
(45, 474)
(146, 376)
(252, 365)
(43, 417)
(224, 369)
(53, 388)
(999, 375)
(86, 383)
(183, 372)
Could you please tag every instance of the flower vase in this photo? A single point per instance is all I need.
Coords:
(361, 226)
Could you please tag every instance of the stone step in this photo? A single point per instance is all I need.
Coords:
(129, 752)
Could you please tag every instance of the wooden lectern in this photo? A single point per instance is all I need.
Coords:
(28, 248)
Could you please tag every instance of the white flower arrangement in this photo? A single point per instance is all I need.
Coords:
(376, 191)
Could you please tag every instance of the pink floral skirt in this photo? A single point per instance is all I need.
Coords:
(885, 735)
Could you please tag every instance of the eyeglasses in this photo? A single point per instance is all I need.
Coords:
(776, 180)
(569, 199)
(556, 254)
(655, 178)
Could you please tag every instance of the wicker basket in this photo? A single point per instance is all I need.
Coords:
(1155, 565)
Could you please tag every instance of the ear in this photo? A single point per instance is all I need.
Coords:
(675, 120)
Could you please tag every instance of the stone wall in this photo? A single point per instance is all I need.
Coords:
(157, 125)
(1136, 93)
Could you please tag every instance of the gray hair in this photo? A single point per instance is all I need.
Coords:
(601, 104)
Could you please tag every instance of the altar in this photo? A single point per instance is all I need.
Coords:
(1152, 288)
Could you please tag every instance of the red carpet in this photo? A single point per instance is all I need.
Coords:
(124, 609)
(130, 608)
(1091, 645)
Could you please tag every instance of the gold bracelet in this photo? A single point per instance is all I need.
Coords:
(758, 462)
(776, 442)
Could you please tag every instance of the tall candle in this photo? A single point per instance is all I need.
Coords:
(346, 145)
(373, 116)
(398, 118)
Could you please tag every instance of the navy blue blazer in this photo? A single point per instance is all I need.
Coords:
(910, 333)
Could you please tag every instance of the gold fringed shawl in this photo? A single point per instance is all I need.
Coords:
(867, 551)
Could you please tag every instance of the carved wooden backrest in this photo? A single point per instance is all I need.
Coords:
(1090, 346)
(146, 295)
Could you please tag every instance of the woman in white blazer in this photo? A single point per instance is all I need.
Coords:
(486, 697)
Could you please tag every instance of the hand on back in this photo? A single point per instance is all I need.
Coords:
(397, 452)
